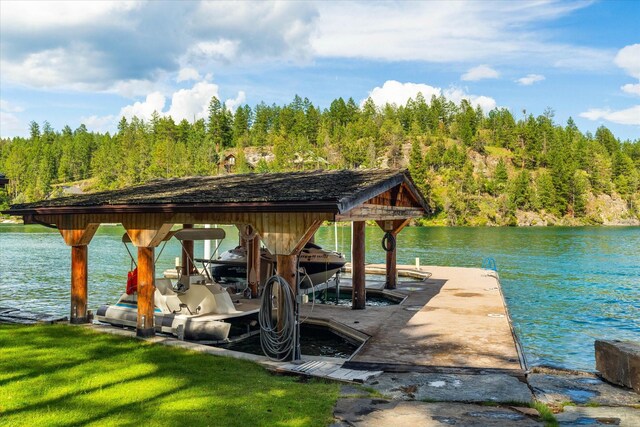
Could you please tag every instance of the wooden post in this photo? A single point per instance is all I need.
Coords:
(146, 289)
(392, 269)
(286, 267)
(187, 254)
(358, 297)
(253, 265)
(394, 228)
(79, 285)
(146, 234)
(78, 233)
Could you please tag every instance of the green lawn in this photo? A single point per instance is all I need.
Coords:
(63, 375)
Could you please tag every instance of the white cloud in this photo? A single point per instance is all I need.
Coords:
(99, 123)
(10, 107)
(192, 103)
(632, 89)
(628, 116)
(143, 110)
(456, 95)
(479, 73)
(133, 88)
(530, 79)
(628, 58)
(232, 104)
(38, 15)
(394, 92)
(441, 32)
(59, 67)
(186, 74)
(11, 125)
(138, 41)
(211, 51)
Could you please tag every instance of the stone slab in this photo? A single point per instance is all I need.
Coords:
(558, 389)
(600, 416)
(384, 413)
(619, 362)
(498, 388)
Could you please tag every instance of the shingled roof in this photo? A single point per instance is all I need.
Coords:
(323, 191)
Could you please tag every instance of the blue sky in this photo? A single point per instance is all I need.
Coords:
(93, 62)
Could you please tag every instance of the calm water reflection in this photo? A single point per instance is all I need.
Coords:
(564, 286)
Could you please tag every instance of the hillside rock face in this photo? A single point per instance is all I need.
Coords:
(608, 210)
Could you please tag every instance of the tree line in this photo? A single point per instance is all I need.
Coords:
(473, 167)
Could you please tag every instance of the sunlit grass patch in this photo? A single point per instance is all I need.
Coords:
(64, 375)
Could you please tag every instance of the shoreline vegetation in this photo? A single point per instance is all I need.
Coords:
(475, 168)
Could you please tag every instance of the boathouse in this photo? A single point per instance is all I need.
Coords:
(283, 210)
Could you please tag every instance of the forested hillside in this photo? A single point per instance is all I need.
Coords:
(474, 167)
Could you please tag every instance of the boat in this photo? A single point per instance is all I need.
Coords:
(205, 311)
(194, 308)
(317, 265)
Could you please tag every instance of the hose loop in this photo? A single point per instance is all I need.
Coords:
(388, 242)
(277, 344)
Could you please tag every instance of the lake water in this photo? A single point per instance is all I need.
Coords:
(564, 287)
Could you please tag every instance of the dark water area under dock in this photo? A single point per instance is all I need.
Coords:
(564, 287)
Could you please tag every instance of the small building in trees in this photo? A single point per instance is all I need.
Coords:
(229, 163)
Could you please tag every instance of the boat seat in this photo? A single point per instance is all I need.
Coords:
(169, 303)
(164, 286)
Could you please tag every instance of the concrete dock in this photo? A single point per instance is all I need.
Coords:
(454, 320)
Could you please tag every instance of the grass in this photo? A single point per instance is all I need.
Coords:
(63, 375)
(546, 414)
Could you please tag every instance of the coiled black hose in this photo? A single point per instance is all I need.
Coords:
(277, 345)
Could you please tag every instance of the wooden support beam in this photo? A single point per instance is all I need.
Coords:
(287, 233)
(79, 285)
(370, 211)
(147, 232)
(393, 227)
(253, 265)
(358, 297)
(77, 234)
(146, 288)
(187, 254)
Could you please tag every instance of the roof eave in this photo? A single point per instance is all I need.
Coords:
(330, 207)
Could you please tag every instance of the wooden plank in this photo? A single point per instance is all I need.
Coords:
(358, 297)
(79, 255)
(146, 290)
